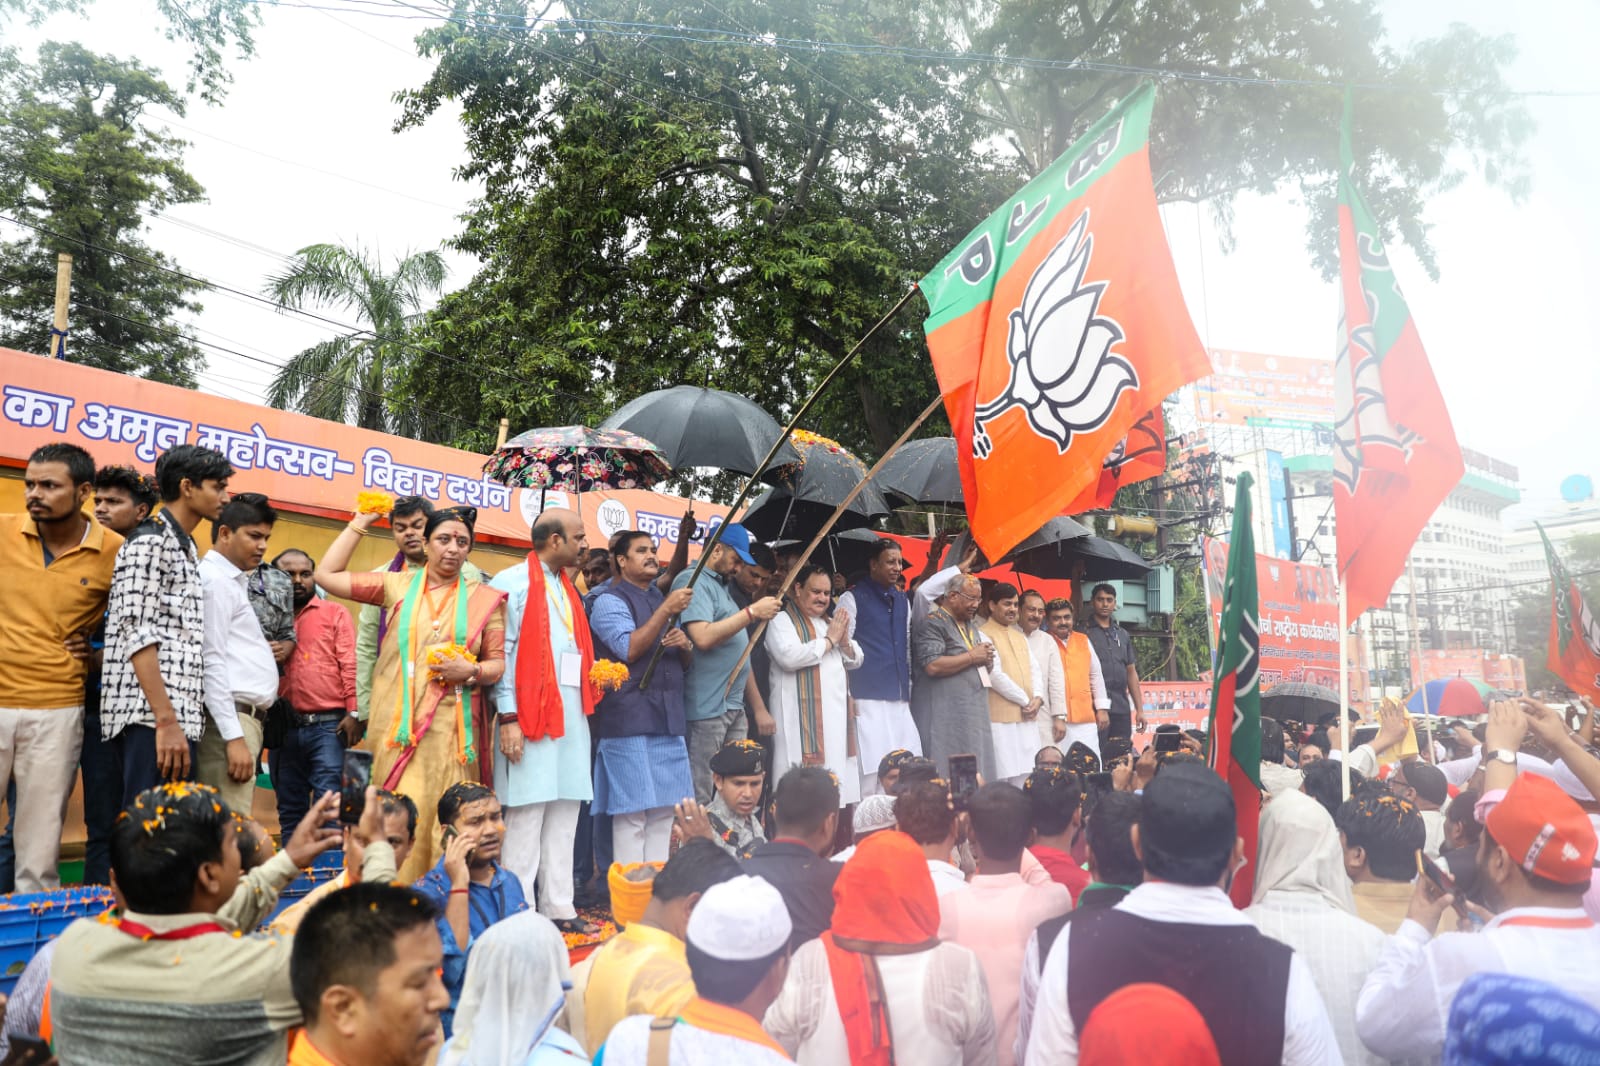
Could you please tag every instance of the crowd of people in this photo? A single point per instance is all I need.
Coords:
(767, 799)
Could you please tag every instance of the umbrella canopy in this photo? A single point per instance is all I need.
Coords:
(1455, 697)
(923, 471)
(1297, 701)
(695, 426)
(827, 473)
(847, 552)
(1106, 560)
(577, 459)
(1048, 553)
(778, 514)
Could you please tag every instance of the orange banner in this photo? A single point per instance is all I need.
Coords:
(1298, 618)
(301, 463)
(1505, 672)
(1247, 387)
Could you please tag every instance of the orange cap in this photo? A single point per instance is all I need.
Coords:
(1544, 830)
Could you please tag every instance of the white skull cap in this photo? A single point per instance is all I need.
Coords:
(872, 814)
(740, 920)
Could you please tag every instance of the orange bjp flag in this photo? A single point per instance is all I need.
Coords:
(1395, 451)
(1056, 326)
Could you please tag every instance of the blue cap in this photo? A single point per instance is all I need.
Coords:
(737, 537)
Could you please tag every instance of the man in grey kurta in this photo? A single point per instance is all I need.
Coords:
(950, 660)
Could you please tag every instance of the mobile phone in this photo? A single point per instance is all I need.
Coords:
(963, 779)
(353, 785)
(27, 1051)
(1100, 782)
(1168, 742)
(1442, 881)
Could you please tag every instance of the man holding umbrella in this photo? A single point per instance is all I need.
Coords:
(879, 616)
(715, 624)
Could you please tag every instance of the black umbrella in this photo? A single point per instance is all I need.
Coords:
(778, 515)
(827, 473)
(849, 551)
(1047, 553)
(695, 426)
(1298, 701)
(923, 471)
(1106, 560)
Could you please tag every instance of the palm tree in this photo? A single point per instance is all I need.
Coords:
(349, 378)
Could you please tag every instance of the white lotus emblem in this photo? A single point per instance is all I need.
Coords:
(1064, 375)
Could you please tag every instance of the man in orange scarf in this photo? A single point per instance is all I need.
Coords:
(738, 952)
(879, 987)
(544, 699)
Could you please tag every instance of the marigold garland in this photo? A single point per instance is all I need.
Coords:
(374, 503)
(608, 674)
(445, 653)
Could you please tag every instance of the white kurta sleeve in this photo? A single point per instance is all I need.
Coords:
(851, 654)
(1056, 677)
(1027, 996)
(847, 604)
(1008, 689)
(1053, 1037)
(1308, 1038)
(788, 651)
(792, 1019)
(1399, 1014)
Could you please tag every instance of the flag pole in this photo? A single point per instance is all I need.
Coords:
(838, 512)
(1344, 688)
(1422, 667)
(772, 453)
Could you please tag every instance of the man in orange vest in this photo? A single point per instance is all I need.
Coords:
(1087, 705)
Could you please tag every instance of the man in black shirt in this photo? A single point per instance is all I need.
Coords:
(1114, 647)
(795, 860)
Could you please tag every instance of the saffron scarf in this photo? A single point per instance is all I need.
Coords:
(729, 1021)
(404, 735)
(539, 710)
(808, 693)
(883, 896)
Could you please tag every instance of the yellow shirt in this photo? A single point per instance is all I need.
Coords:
(641, 970)
(45, 606)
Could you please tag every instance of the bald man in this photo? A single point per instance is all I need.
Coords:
(541, 764)
(953, 668)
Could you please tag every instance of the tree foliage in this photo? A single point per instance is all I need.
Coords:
(208, 27)
(350, 377)
(80, 168)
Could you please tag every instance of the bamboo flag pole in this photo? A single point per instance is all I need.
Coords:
(755, 475)
(1422, 667)
(838, 512)
(1344, 685)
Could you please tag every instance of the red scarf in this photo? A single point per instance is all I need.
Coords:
(884, 895)
(539, 710)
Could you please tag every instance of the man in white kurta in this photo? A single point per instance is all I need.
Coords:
(1048, 659)
(879, 622)
(821, 654)
(541, 782)
(1083, 685)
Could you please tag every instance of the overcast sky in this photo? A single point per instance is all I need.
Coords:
(301, 152)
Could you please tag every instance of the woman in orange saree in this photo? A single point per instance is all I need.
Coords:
(443, 647)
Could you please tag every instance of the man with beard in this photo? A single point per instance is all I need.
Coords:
(408, 522)
(319, 681)
(1087, 707)
(57, 567)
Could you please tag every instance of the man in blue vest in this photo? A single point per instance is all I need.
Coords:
(880, 621)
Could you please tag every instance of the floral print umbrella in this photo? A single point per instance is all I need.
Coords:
(577, 459)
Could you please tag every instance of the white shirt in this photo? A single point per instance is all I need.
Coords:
(937, 1002)
(1339, 949)
(239, 667)
(929, 591)
(629, 1045)
(1405, 1001)
(947, 877)
(1307, 1033)
(1048, 659)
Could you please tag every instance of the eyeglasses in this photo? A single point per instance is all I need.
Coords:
(963, 594)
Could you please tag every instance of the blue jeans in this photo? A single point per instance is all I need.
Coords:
(310, 763)
(8, 847)
(102, 800)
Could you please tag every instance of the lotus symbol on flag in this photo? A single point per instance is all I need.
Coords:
(1064, 375)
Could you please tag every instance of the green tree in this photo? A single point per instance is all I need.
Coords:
(349, 378)
(81, 171)
(208, 27)
(711, 207)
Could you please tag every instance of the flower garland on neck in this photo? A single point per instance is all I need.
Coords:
(401, 735)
